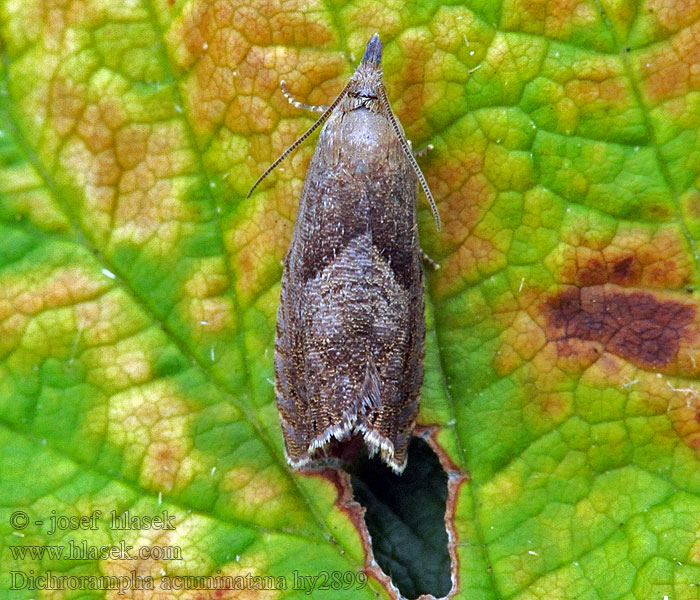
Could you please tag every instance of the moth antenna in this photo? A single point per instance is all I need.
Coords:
(306, 134)
(409, 154)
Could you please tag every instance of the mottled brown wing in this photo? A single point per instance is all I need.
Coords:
(350, 331)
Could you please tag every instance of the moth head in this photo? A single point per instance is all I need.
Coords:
(373, 52)
(363, 89)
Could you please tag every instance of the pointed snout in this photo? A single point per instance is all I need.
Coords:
(373, 51)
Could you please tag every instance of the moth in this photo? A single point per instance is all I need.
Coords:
(350, 335)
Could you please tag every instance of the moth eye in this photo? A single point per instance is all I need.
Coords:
(363, 95)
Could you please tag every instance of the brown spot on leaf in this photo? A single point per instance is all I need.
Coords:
(237, 53)
(670, 70)
(465, 264)
(637, 326)
(671, 16)
(590, 267)
(587, 91)
(593, 273)
(466, 200)
(625, 271)
(634, 257)
(553, 18)
(66, 104)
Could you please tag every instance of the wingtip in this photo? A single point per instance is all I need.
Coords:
(373, 51)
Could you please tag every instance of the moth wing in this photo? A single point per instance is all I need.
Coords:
(350, 337)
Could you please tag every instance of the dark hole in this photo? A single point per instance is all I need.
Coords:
(405, 516)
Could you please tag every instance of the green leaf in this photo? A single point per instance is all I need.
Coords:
(138, 286)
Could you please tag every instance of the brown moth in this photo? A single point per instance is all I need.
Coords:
(350, 325)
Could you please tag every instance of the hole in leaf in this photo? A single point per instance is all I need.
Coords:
(405, 516)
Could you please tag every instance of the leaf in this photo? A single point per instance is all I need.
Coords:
(138, 286)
